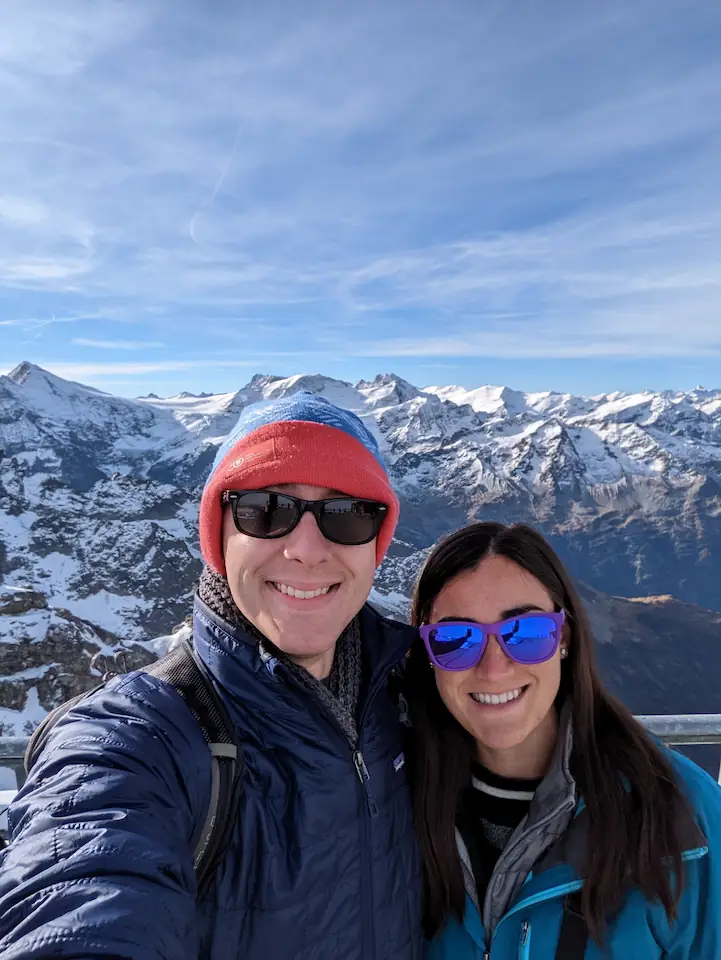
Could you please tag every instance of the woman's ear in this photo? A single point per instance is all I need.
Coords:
(565, 642)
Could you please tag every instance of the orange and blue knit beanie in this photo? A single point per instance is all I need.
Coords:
(299, 439)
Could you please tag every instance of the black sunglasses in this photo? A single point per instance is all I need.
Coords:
(268, 515)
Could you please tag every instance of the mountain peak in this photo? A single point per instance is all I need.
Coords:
(337, 391)
(261, 380)
(488, 399)
(19, 373)
(313, 382)
(386, 389)
(28, 374)
(26, 370)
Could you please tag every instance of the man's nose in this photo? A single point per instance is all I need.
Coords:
(306, 543)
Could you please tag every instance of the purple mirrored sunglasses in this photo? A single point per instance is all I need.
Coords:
(459, 644)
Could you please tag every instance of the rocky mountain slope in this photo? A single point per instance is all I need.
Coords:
(48, 655)
(99, 495)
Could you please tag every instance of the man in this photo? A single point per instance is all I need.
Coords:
(297, 513)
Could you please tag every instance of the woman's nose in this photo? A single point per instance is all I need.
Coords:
(495, 662)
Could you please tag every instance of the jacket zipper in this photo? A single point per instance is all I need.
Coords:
(524, 944)
(369, 801)
(571, 887)
(364, 777)
(355, 752)
(523, 838)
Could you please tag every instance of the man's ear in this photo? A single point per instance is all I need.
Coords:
(227, 527)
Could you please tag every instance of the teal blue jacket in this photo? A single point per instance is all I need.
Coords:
(530, 924)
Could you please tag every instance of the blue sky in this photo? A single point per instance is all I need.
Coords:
(458, 191)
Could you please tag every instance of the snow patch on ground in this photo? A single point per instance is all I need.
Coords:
(32, 673)
(16, 529)
(30, 627)
(396, 603)
(159, 646)
(111, 612)
(21, 723)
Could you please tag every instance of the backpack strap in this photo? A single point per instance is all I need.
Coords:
(41, 733)
(573, 938)
(183, 671)
(188, 675)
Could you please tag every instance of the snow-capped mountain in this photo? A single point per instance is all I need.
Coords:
(99, 494)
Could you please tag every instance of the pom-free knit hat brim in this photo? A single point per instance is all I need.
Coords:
(293, 451)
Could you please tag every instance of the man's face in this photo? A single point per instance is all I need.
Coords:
(260, 572)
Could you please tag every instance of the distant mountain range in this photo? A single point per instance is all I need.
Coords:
(99, 498)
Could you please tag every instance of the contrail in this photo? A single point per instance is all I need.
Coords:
(209, 201)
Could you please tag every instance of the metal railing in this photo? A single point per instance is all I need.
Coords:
(680, 729)
(685, 729)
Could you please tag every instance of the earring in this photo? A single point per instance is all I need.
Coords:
(564, 653)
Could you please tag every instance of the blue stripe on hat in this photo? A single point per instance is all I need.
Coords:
(304, 406)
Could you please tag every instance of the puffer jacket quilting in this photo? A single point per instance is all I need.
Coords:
(101, 859)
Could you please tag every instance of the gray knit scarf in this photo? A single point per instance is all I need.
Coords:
(339, 694)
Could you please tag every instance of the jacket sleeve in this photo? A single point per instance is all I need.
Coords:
(101, 858)
(696, 934)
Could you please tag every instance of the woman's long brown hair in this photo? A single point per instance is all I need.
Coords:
(627, 782)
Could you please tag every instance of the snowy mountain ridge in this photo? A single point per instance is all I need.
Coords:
(99, 494)
(99, 499)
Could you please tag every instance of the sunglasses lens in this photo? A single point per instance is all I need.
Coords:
(351, 522)
(261, 514)
(453, 646)
(530, 639)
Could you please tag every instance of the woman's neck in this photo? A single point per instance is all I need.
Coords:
(527, 760)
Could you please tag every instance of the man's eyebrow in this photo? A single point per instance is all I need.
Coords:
(505, 614)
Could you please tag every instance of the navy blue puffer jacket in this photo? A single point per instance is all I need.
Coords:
(319, 867)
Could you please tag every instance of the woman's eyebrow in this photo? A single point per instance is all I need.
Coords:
(505, 615)
(524, 608)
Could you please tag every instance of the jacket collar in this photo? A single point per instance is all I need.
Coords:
(244, 669)
(549, 816)
(558, 784)
(555, 832)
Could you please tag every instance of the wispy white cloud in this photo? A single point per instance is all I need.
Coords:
(22, 211)
(548, 341)
(35, 323)
(544, 182)
(118, 344)
(95, 371)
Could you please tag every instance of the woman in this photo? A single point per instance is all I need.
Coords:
(551, 823)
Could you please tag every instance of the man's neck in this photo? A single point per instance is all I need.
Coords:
(319, 666)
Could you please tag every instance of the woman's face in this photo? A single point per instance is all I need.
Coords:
(515, 738)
